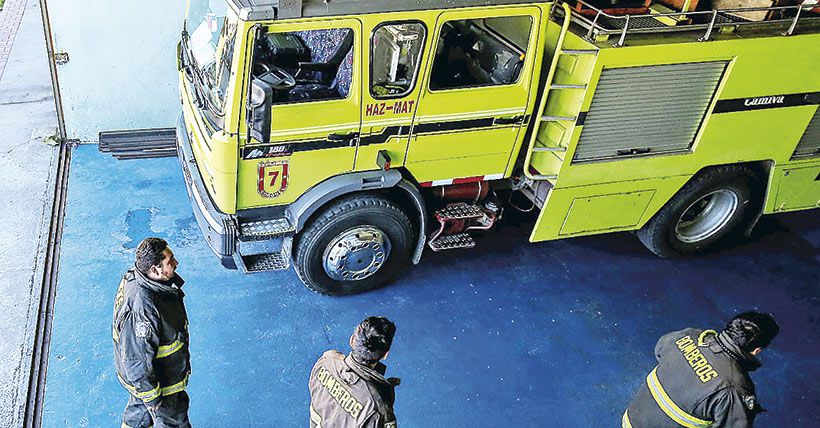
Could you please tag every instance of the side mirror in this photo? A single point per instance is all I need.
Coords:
(260, 110)
(180, 61)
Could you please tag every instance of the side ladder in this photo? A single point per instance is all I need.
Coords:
(541, 144)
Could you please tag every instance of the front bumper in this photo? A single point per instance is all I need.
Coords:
(219, 229)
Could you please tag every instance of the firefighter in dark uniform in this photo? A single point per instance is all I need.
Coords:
(350, 391)
(150, 330)
(702, 377)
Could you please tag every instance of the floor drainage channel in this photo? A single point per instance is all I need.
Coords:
(42, 335)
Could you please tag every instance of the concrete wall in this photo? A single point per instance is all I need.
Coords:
(122, 68)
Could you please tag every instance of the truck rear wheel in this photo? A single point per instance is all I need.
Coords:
(357, 244)
(705, 211)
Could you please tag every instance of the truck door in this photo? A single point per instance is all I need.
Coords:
(315, 124)
(395, 58)
(476, 96)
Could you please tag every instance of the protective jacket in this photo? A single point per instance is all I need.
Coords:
(345, 393)
(150, 331)
(701, 381)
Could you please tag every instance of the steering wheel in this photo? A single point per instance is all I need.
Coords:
(278, 78)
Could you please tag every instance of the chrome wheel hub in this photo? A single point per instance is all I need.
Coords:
(356, 254)
(706, 216)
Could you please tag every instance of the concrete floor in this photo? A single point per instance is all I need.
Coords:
(27, 116)
(516, 334)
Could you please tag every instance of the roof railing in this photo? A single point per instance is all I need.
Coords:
(605, 24)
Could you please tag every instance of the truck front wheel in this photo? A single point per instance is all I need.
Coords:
(357, 244)
(705, 211)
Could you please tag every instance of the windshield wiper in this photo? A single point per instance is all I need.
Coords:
(201, 98)
(189, 67)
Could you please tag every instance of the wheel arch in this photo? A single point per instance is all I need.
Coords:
(762, 171)
(407, 195)
(660, 233)
(390, 184)
(761, 190)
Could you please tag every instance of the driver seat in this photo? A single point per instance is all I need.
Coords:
(329, 74)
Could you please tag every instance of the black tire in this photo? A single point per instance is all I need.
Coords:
(342, 218)
(669, 234)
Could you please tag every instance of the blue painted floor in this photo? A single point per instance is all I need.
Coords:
(558, 334)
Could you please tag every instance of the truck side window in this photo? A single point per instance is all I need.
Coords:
(320, 60)
(480, 52)
(395, 56)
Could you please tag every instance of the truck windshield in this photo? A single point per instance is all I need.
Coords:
(209, 39)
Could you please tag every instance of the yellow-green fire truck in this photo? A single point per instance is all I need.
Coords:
(350, 136)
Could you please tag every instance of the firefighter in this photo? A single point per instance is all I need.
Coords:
(702, 377)
(150, 330)
(351, 391)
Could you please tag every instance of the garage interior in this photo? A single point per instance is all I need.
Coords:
(557, 333)
(551, 334)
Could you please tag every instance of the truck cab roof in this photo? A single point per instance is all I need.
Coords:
(283, 9)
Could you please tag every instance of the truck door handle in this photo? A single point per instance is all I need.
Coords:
(342, 137)
(508, 120)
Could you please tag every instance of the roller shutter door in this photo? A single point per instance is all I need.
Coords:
(647, 110)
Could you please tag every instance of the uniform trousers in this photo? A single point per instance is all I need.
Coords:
(172, 412)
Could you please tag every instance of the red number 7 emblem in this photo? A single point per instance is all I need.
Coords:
(272, 178)
(273, 175)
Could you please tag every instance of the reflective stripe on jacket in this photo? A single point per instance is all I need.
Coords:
(669, 407)
(150, 332)
(701, 381)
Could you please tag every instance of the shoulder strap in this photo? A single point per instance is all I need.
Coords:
(703, 339)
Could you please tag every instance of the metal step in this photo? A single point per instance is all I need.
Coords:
(549, 149)
(265, 262)
(266, 228)
(460, 211)
(452, 242)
